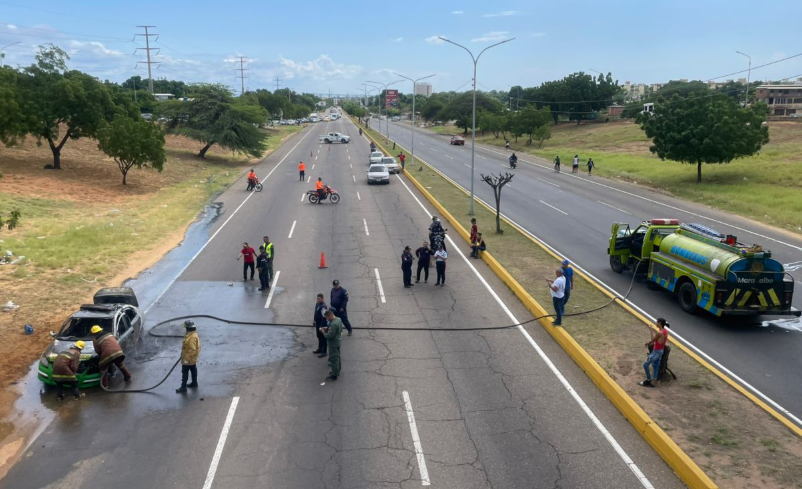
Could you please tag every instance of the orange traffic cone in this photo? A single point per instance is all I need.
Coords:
(322, 260)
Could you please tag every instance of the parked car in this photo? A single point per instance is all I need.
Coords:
(391, 164)
(457, 141)
(396, 119)
(376, 157)
(378, 174)
(147, 116)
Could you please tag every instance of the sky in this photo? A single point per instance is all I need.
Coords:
(322, 47)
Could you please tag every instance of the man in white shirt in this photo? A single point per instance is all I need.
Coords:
(440, 257)
(557, 289)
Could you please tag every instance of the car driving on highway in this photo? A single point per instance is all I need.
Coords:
(391, 164)
(457, 141)
(378, 174)
(376, 157)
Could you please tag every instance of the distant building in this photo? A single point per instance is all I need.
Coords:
(656, 86)
(784, 100)
(616, 110)
(633, 91)
(424, 89)
(161, 97)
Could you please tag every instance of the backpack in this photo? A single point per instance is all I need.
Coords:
(663, 372)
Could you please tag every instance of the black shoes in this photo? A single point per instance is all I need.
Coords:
(646, 383)
(349, 333)
(193, 385)
(322, 355)
(331, 377)
(181, 390)
(317, 351)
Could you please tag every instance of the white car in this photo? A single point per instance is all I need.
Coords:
(391, 164)
(378, 174)
(376, 157)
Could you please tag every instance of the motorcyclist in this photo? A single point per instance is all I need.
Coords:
(513, 161)
(436, 228)
(251, 179)
(372, 146)
(320, 187)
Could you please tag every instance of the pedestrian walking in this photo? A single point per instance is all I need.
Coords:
(402, 158)
(557, 289)
(406, 266)
(261, 267)
(591, 164)
(332, 332)
(271, 256)
(319, 322)
(65, 368)
(575, 164)
(658, 341)
(360, 131)
(248, 255)
(557, 164)
(109, 353)
(440, 257)
(507, 144)
(474, 230)
(190, 350)
(478, 245)
(568, 273)
(302, 171)
(339, 304)
(424, 255)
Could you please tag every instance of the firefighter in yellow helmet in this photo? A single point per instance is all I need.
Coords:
(110, 352)
(65, 367)
(190, 350)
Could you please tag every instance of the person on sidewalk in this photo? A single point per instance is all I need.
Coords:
(261, 267)
(190, 350)
(402, 158)
(110, 352)
(406, 266)
(332, 332)
(249, 255)
(557, 289)
(591, 164)
(319, 323)
(658, 341)
(568, 273)
(424, 254)
(65, 368)
(339, 304)
(440, 257)
(302, 171)
(478, 245)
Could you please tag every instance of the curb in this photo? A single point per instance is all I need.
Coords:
(670, 452)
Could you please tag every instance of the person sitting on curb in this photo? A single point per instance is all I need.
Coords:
(658, 340)
(478, 245)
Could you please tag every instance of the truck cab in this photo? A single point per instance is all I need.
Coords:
(630, 248)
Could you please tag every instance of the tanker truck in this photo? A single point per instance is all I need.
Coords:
(704, 268)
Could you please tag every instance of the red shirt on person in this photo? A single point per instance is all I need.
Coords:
(248, 254)
(474, 233)
(657, 344)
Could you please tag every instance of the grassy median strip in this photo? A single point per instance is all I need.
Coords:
(733, 440)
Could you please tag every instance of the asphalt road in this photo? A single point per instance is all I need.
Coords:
(454, 409)
(574, 213)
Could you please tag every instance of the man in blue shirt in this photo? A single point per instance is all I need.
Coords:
(339, 304)
(568, 273)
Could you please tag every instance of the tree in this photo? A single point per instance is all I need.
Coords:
(132, 143)
(53, 99)
(541, 134)
(460, 108)
(705, 129)
(578, 95)
(498, 182)
(11, 117)
(530, 119)
(432, 109)
(13, 218)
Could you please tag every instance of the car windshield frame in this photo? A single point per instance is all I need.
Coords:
(381, 169)
(388, 160)
(83, 324)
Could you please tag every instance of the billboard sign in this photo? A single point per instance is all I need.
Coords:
(391, 99)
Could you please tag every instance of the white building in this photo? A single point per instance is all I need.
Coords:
(163, 96)
(424, 89)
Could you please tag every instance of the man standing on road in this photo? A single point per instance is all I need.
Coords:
(557, 164)
(424, 254)
(440, 257)
(406, 266)
(402, 158)
(658, 340)
(190, 350)
(110, 353)
(261, 267)
(271, 256)
(65, 367)
(568, 273)
(319, 323)
(332, 332)
(249, 255)
(339, 304)
(302, 171)
(557, 289)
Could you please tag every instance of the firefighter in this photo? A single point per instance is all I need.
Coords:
(110, 353)
(65, 366)
(190, 349)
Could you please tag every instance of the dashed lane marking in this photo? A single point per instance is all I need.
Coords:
(379, 284)
(303, 196)
(467, 165)
(272, 289)
(556, 209)
(611, 207)
(352, 166)
(552, 184)
(221, 442)
(313, 167)
(309, 179)
(413, 427)
(292, 229)
(449, 156)
(358, 197)
(365, 222)
(352, 176)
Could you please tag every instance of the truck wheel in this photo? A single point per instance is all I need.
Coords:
(615, 263)
(687, 297)
(327, 141)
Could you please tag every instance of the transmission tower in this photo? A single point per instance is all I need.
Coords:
(147, 35)
(242, 71)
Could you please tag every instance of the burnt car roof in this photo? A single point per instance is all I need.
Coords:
(98, 310)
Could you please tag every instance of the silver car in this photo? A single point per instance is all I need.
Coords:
(378, 174)
(391, 164)
(376, 157)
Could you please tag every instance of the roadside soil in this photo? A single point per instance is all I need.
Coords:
(734, 441)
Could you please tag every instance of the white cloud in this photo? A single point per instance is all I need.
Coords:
(458, 12)
(384, 72)
(435, 39)
(93, 47)
(504, 13)
(539, 34)
(11, 27)
(322, 68)
(492, 36)
(398, 39)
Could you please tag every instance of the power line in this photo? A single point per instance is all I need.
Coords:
(756, 67)
(51, 31)
(147, 35)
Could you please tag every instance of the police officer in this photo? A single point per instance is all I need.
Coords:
(110, 352)
(261, 266)
(65, 368)
(190, 350)
(271, 254)
(319, 323)
(406, 266)
(332, 332)
(339, 304)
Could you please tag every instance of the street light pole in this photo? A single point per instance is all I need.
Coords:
(414, 87)
(3, 49)
(473, 131)
(385, 85)
(748, 76)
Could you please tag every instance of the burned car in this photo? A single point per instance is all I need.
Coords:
(116, 310)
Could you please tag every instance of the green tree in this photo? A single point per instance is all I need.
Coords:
(460, 108)
(13, 218)
(529, 119)
(432, 109)
(132, 143)
(12, 122)
(541, 134)
(705, 129)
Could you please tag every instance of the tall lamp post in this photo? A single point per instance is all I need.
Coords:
(385, 85)
(473, 131)
(748, 76)
(3, 49)
(414, 87)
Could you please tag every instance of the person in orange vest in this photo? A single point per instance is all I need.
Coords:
(319, 186)
(302, 170)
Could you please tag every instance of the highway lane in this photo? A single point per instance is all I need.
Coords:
(488, 409)
(574, 214)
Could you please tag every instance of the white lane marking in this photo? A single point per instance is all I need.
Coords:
(303, 196)
(449, 156)
(189, 262)
(318, 150)
(613, 207)
(379, 283)
(546, 181)
(292, 229)
(479, 156)
(272, 289)
(358, 197)
(365, 222)
(221, 442)
(313, 167)
(352, 176)
(467, 165)
(433, 150)
(567, 385)
(346, 150)
(315, 157)
(413, 427)
(556, 209)
(352, 166)
(309, 179)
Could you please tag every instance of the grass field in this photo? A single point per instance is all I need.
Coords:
(766, 187)
(716, 426)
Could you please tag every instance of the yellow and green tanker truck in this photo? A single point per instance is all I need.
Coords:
(705, 269)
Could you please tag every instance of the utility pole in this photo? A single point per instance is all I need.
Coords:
(242, 71)
(147, 35)
(277, 80)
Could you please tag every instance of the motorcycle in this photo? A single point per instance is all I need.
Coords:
(254, 185)
(329, 192)
(513, 162)
(438, 239)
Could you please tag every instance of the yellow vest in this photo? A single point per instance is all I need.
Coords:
(269, 250)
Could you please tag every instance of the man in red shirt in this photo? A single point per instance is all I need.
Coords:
(402, 158)
(250, 257)
(474, 230)
(658, 340)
